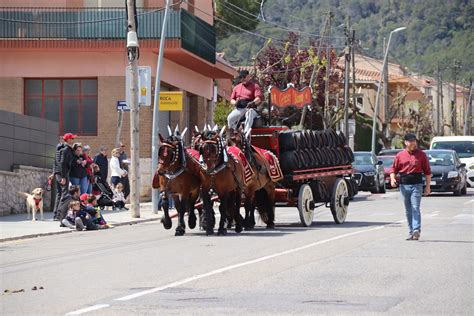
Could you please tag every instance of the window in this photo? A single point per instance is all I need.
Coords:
(71, 102)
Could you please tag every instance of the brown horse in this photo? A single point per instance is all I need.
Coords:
(223, 174)
(261, 191)
(178, 174)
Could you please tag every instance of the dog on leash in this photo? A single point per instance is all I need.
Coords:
(34, 202)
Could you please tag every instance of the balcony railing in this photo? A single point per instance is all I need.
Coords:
(109, 24)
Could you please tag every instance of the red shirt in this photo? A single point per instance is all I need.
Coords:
(248, 91)
(414, 162)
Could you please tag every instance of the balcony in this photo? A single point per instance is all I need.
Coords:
(99, 28)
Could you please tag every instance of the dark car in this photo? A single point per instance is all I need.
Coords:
(387, 162)
(448, 173)
(389, 152)
(369, 172)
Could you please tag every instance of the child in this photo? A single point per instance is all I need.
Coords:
(71, 220)
(97, 217)
(119, 198)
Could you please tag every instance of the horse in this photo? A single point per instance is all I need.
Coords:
(261, 191)
(178, 174)
(223, 174)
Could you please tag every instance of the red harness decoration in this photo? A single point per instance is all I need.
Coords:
(271, 162)
(193, 153)
(239, 155)
(37, 202)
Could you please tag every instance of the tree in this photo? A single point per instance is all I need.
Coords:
(241, 13)
(280, 64)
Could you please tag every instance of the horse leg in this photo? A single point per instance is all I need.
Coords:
(223, 211)
(166, 219)
(181, 208)
(208, 223)
(191, 215)
(237, 217)
(270, 191)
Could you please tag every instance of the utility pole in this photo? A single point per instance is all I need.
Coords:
(453, 100)
(155, 195)
(347, 65)
(328, 71)
(441, 97)
(354, 98)
(438, 102)
(468, 118)
(132, 52)
(385, 95)
(379, 88)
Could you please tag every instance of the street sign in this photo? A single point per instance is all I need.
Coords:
(122, 106)
(171, 100)
(144, 85)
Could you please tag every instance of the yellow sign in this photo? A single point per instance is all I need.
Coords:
(171, 100)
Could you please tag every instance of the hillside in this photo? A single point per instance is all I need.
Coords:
(437, 31)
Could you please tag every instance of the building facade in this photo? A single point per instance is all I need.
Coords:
(65, 60)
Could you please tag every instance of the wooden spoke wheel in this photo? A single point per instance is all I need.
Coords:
(306, 205)
(339, 201)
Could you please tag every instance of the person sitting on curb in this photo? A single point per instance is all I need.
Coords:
(71, 220)
(90, 206)
(64, 205)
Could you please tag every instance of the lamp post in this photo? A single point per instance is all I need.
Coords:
(377, 98)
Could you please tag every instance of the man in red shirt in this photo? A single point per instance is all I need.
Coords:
(412, 164)
(245, 96)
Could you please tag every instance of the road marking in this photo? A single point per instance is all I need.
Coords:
(243, 264)
(468, 202)
(88, 309)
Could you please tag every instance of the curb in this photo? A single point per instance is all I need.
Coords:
(130, 222)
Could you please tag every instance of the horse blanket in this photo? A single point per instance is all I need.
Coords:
(271, 163)
(239, 156)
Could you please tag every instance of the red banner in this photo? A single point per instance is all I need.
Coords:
(291, 97)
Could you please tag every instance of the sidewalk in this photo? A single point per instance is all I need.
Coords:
(13, 227)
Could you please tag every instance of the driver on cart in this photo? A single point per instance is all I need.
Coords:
(245, 96)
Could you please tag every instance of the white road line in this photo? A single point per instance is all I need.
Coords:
(468, 202)
(88, 309)
(243, 264)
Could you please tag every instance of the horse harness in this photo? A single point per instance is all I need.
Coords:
(170, 176)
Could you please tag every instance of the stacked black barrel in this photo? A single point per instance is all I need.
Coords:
(309, 149)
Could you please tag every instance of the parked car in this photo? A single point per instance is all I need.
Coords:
(448, 172)
(389, 152)
(387, 162)
(464, 146)
(369, 172)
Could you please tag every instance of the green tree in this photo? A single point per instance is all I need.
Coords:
(241, 13)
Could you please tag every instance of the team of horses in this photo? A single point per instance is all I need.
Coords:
(218, 165)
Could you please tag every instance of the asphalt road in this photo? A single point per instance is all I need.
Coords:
(363, 266)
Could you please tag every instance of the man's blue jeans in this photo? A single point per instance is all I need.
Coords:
(412, 197)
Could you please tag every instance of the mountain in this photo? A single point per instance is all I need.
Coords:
(437, 31)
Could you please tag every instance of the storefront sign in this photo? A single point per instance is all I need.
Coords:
(144, 85)
(171, 100)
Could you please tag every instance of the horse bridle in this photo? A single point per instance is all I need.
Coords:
(176, 154)
(221, 150)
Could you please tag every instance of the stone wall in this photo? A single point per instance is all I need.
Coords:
(22, 179)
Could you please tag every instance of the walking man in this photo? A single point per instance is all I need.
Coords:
(412, 164)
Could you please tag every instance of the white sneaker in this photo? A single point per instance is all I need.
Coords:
(416, 235)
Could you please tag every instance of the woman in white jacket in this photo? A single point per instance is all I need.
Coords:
(117, 172)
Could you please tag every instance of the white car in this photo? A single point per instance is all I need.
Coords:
(464, 146)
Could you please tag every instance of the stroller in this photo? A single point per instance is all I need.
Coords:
(105, 193)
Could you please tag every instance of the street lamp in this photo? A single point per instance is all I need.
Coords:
(377, 98)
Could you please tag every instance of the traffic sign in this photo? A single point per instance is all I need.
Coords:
(122, 106)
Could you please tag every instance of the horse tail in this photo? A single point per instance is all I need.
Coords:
(263, 204)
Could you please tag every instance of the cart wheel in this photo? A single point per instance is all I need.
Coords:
(306, 205)
(339, 201)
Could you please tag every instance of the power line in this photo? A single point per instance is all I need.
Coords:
(79, 22)
(256, 34)
(271, 22)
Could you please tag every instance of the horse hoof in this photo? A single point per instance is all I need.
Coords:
(271, 226)
(167, 223)
(179, 232)
(238, 229)
(222, 232)
(209, 232)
